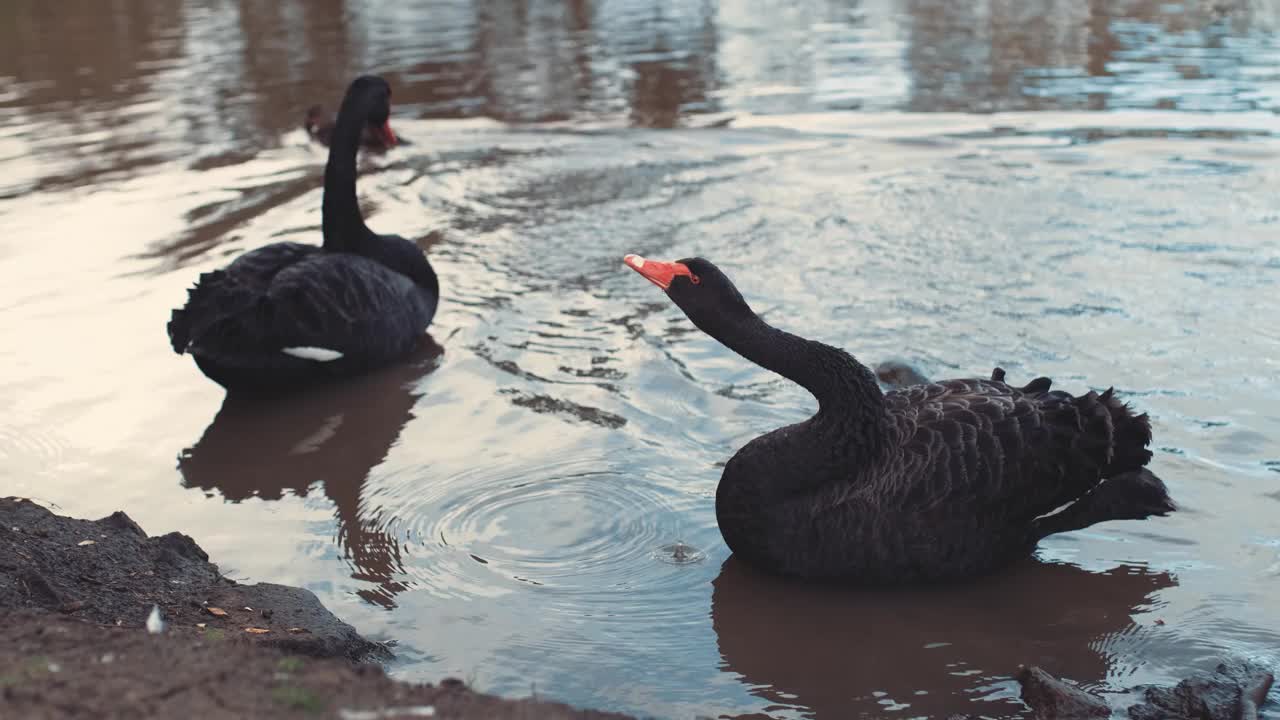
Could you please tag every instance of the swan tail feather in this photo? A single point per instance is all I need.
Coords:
(1131, 434)
(213, 306)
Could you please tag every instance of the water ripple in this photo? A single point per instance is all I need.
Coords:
(582, 532)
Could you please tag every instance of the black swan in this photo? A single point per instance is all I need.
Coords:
(289, 314)
(320, 129)
(939, 481)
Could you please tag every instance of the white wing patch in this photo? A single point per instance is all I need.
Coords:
(318, 354)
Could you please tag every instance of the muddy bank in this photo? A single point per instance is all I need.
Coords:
(74, 643)
(109, 571)
(55, 666)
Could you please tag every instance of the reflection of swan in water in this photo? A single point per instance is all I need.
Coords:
(333, 434)
(842, 653)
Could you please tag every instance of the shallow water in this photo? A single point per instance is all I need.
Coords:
(505, 505)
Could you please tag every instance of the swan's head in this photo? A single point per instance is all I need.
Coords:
(706, 295)
(373, 94)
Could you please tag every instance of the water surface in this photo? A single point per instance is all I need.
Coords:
(1080, 190)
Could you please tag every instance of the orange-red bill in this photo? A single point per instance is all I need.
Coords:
(388, 136)
(657, 272)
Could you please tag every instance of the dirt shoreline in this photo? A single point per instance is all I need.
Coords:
(74, 641)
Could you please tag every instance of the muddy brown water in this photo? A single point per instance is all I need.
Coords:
(1085, 190)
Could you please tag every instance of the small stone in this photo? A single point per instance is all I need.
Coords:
(1053, 699)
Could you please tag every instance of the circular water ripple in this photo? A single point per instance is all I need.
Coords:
(580, 535)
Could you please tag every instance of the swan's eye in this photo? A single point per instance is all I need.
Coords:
(694, 279)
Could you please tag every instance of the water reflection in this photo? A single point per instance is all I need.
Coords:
(148, 82)
(841, 653)
(332, 435)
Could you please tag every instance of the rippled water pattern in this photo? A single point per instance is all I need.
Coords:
(528, 502)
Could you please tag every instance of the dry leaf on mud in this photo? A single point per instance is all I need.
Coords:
(298, 630)
(82, 543)
(200, 625)
(216, 611)
(257, 631)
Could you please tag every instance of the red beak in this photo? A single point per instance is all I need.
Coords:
(659, 273)
(388, 137)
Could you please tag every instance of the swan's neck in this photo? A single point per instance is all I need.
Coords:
(342, 223)
(849, 400)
